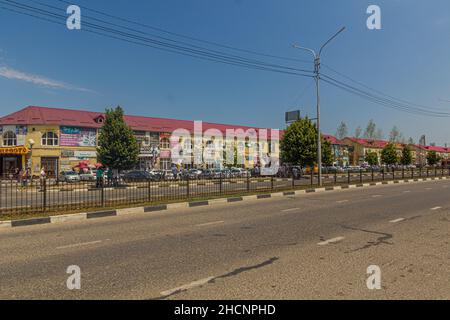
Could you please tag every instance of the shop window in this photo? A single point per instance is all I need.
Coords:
(9, 139)
(49, 139)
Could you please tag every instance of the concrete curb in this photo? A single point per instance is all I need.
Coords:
(184, 205)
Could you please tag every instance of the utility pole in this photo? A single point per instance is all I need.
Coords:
(317, 78)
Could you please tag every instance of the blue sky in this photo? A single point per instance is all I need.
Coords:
(409, 59)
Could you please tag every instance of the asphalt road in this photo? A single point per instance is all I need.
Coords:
(305, 247)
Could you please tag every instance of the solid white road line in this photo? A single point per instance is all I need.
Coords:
(377, 196)
(407, 191)
(209, 223)
(187, 286)
(397, 220)
(342, 201)
(80, 244)
(330, 241)
(436, 208)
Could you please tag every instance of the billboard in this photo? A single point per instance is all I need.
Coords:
(292, 116)
(78, 137)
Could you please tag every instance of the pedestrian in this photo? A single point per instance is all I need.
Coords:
(25, 178)
(109, 175)
(175, 172)
(42, 176)
(99, 176)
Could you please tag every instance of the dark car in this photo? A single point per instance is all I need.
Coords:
(137, 176)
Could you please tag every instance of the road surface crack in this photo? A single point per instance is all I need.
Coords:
(233, 273)
(382, 239)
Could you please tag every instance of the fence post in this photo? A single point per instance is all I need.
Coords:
(293, 181)
(335, 177)
(149, 190)
(382, 174)
(412, 173)
(187, 186)
(271, 182)
(348, 176)
(360, 176)
(102, 188)
(403, 173)
(435, 172)
(248, 183)
(221, 183)
(393, 173)
(372, 175)
(312, 177)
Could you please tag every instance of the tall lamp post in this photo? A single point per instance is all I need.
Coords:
(317, 78)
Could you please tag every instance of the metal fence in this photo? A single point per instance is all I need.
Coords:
(48, 195)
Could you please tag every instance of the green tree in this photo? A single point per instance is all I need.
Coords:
(372, 158)
(327, 153)
(298, 145)
(358, 132)
(433, 158)
(118, 148)
(406, 158)
(342, 130)
(389, 154)
(371, 130)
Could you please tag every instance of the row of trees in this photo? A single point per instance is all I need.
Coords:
(299, 146)
(389, 156)
(372, 132)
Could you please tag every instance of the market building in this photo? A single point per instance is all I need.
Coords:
(59, 139)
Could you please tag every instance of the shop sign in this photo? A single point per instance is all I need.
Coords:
(78, 137)
(14, 150)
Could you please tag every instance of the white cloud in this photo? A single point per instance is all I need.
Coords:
(13, 74)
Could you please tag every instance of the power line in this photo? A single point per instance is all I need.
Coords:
(173, 48)
(185, 36)
(380, 92)
(382, 101)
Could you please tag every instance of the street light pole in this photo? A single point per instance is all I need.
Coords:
(317, 79)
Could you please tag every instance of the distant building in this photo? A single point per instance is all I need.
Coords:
(59, 139)
(339, 149)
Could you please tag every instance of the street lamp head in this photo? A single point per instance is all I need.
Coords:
(31, 142)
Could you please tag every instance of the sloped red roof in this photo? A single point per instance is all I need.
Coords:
(370, 143)
(333, 140)
(437, 149)
(67, 117)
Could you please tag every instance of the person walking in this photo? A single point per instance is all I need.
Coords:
(99, 176)
(42, 176)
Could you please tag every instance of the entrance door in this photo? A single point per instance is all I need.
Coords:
(9, 165)
(50, 166)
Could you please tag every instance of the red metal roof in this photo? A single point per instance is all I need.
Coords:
(370, 143)
(332, 139)
(67, 117)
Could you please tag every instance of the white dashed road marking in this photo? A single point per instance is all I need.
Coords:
(82, 244)
(407, 191)
(209, 223)
(376, 196)
(187, 286)
(436, 208)
(330, 241)
(342, 201)
(290, 210)
(397, 220)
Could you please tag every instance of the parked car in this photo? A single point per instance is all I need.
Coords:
(69, 176)
(137, 176)
(168, 175)
(158, 175)
(194, 173)
(87, 176)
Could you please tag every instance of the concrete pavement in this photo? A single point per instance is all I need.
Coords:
(309, 246)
